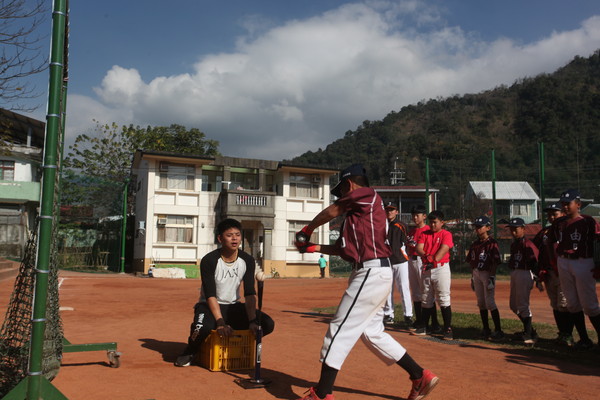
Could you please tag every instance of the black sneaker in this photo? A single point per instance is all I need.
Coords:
(485, 334)
(184, 360)
(497, 336)
(448, 334)
(530, 338)
(408, 321)
(419, 332)
(388, 320)
(436, 330)
(583, 345)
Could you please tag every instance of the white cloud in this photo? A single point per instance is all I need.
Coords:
(301, 85)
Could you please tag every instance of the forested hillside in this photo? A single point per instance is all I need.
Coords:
(457, 134)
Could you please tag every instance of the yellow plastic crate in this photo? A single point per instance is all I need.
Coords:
(236, 352)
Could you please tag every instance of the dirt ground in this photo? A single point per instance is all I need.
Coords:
(149, 319)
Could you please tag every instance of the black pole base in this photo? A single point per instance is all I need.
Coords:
(253, 383)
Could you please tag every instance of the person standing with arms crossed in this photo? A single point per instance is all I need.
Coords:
(434, 246)
(415, 266)
(362, 242)
(523, 264)
(484, 257)
(549, 275)
(578, 263)
(397, 239)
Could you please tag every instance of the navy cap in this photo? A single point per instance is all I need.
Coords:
(420, 209)
(353, 170)
(553, 207)
(569, 195)
(516, 222)
(482, 221)
(391, 204)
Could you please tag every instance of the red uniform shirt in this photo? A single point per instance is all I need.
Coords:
(364, 231)
(523, 254)
(413, 236)
(432, 241)
(547, 252)
(483, 254)
(576, 236)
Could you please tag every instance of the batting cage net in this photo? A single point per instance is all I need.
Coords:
(15, 335)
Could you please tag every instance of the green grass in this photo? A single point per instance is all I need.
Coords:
(467, 327)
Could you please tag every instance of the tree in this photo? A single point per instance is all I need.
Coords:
(97, 167)
(21, 54)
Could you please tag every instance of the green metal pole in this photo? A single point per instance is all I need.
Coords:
(427, 185)
(124, 227)
(50, 167)
(495, 217)
(542, 184)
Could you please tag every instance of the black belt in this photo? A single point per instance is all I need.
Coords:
(374, 263)
(570, 256)
(414, 257)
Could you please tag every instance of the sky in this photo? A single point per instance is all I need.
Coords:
(273, 79)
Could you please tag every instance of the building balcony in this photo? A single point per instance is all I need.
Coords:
(19, 192)
(247, 204)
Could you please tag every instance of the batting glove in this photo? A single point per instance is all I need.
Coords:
(304, 235)
(491, 282)
(306, 247)
(543, 275)
(539, 285)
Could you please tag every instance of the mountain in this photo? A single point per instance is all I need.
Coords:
(457, 135)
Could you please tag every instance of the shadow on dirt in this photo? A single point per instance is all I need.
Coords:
(168, 350)
(282, 385)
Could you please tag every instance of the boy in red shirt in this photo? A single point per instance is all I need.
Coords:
(434, 246)
(415, 267)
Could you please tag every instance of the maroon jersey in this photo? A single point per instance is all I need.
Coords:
(432, 241)
(547, 253)
(413, 236)
(575, 236)
(364, 231)
(523, 254)
(483, 254)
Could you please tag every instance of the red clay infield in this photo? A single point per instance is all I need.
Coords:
(149, 318)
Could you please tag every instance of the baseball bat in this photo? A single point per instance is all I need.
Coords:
(259, 334)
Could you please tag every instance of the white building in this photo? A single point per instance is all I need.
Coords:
(181, 198)
(21, 144)
(513, 199)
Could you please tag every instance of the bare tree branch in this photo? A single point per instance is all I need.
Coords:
(21, 51)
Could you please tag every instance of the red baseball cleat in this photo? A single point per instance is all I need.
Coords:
(313, 396)
(422, 387)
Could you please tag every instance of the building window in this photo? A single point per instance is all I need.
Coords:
(520, 209)
(304, 185)
(296, 226)
(212, 181)
(244, 181)
(7, 170)
(175, 229)
(177, 176)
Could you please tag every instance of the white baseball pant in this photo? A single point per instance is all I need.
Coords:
(400, 282)
(485, 297)
(558, 301)
(360, 313)
(414, 277)
(578, 285)
(435, 284)
(521, 283)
